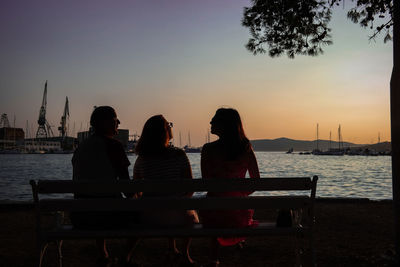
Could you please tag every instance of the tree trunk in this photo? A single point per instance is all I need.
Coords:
(395, 124)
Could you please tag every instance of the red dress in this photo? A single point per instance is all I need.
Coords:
(215, 167)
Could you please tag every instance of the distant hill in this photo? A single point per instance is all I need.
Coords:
(284, 144)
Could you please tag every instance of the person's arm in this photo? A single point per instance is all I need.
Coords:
(205, 162)
(137, 175)
(118, 158)
(186, 170)
(124, 163)
(121, 164)
(123, 173)
(252, 165)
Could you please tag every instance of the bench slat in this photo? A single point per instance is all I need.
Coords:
(190, 185)
(206, 203)
(265, 228)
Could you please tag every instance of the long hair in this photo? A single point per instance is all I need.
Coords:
(154, 138)
(232, 137)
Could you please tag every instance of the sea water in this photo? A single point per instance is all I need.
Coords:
(339, 176)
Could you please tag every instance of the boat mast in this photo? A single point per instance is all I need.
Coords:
(73, 131)
(27, 130)
(341, 138)
(15, 143)
(26, 133)
(317, 136)
(330, 140)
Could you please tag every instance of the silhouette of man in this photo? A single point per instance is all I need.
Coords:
(101, 158)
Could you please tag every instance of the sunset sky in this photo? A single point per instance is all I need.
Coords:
(185, 59)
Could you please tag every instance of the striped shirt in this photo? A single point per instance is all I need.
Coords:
(171, 165)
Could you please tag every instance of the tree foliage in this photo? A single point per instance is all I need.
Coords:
(301, 27)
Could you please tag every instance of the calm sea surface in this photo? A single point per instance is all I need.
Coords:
(339, 176)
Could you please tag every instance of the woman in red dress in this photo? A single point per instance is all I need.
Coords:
(230, 157)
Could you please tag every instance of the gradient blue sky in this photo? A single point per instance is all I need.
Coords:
(185, 59)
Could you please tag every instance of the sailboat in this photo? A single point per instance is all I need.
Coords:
(290, 151)
(189, 149)
(332, 151)
(317, 151)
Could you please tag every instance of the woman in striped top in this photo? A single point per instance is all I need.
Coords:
(158, 160)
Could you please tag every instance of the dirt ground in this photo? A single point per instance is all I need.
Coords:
(348, 233)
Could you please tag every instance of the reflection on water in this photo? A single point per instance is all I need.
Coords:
(339, 176)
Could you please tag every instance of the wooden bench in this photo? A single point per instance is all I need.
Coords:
(301, 207)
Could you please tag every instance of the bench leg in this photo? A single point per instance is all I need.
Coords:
(42, 251)
(59, 250)
(308, 256)
(304, 250)
(312, 251)
(297, 250)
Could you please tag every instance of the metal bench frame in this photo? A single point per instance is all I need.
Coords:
(301, 206)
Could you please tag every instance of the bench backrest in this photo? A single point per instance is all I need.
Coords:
(45, 187)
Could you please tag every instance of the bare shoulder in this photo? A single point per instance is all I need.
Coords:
(211, 146)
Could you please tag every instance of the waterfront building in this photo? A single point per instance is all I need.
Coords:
(11, 138)
(42, 145)
(50, 145)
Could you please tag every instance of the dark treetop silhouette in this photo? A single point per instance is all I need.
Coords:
(301, 27)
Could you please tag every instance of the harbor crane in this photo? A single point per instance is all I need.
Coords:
(63, 123)
(44, 129)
